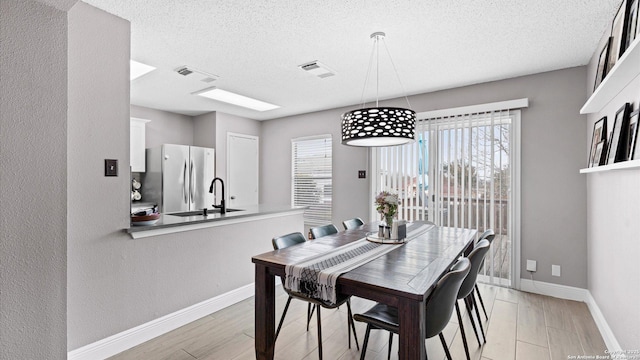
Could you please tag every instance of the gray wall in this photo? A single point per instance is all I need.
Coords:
(350, 194)
(553, 201)
(116, 283)
(613, 228)
(226, 123)
(97, 206)
(165, 127)
(204, 130)
(553, 135)
(33, 175)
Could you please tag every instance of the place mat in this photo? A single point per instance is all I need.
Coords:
(317, 275)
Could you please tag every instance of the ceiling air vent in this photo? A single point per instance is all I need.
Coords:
(318, 69)
(196, 74)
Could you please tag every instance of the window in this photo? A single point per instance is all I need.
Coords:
(311, 180)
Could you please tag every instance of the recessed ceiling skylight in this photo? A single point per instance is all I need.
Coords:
(235, 99)
(138, 69)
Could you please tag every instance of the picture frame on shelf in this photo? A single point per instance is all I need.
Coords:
(634, 149)
(599, 152)
(618, 28)
(607, 149)
(633, 29)
(601, 70)
(619, 143)
(599, 134)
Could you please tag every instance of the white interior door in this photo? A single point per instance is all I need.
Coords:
(242, 170)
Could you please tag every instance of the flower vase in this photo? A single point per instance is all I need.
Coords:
(389, 220)
(389, 224)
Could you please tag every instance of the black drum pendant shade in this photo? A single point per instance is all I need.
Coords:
(378, 126)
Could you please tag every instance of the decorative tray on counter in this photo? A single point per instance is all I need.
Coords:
(373, 237)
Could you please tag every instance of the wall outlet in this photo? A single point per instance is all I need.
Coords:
(362, 174)
(531, 265)
(555, 270)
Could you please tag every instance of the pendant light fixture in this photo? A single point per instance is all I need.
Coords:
(378, 126)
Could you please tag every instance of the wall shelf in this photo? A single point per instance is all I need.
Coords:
(625, 70)
(624, 165)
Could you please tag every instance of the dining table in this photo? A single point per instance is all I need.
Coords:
(403, 277)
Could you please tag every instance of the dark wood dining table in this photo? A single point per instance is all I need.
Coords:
(403, 278)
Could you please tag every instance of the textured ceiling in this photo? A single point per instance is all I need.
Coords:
(255, 47)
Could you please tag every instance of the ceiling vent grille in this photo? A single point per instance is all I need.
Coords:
(318, 69)
(196, 74)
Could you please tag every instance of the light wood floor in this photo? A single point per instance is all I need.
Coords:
(521, 326)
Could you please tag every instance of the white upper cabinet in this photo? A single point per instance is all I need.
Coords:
(137, 144)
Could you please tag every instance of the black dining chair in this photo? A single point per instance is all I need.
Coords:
(466, 292)
(320, 231)
(295, 238)
(282, 242)
(352, 223)
(488, 235)
(439, 307)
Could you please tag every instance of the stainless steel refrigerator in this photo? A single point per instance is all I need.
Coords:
(178, 177)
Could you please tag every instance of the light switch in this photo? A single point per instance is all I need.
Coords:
(362, 174)
(110, 167)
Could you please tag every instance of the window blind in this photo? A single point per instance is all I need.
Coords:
(455, 173)
(311, 180)
(462, 171)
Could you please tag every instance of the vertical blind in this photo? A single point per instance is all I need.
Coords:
(473, 170)
(457, 173)
(311, 178)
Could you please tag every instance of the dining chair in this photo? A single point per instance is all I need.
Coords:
(295, 238)
(320, 231)
(352, 223)
(466, 293)
(489, 235)
(439, 307)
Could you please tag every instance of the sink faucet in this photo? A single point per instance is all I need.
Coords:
(222, 208)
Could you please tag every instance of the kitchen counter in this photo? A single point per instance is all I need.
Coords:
(168, 224)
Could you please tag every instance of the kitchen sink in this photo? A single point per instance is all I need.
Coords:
(199, 212)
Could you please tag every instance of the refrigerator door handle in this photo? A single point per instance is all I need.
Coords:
(192, 184)
(185, 194)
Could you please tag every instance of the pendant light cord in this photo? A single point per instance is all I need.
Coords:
(376, 51)
(397, 76)
(377, 67)
(366, 80)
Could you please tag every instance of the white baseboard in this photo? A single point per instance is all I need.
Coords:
(555, 290)
(127, 339)
(577, 294)
(607, 335)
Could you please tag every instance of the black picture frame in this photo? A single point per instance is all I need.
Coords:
(598, 135)
(618, 148)
(633, 28)
(601, 70)
(634, 124)
(608, 147)
(618, 28)
(638, 23)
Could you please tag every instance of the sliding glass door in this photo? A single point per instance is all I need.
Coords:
(460, 172)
